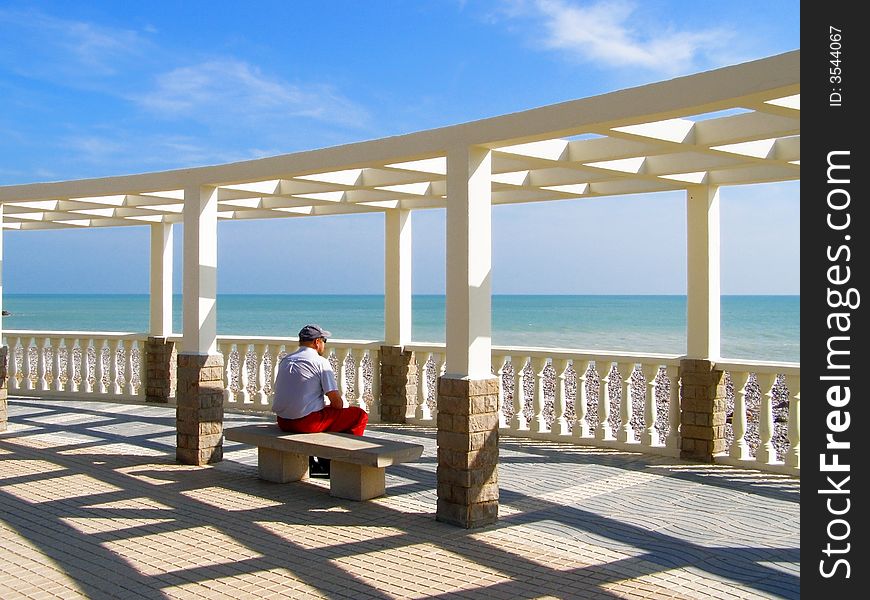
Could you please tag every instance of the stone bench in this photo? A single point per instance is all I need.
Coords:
(357, 463)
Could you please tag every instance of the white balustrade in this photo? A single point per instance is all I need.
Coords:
(764, 428)
(251, 366)
(765, 422)
(56, 364)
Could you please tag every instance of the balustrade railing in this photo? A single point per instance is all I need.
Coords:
(763, 424)
(107, 365)
(250, 368)
(630, 401)
(617, 400)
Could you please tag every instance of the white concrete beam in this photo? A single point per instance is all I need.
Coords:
(161, 280)
(200, 270)
(469, 262)
(703, 276)
(397, 277)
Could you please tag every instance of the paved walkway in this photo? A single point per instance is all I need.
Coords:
(92, 505)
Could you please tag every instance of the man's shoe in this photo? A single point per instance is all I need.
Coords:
(318, 467)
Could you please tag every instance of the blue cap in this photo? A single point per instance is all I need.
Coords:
(313, 332)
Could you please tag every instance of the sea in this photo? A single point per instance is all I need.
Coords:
(761, 328)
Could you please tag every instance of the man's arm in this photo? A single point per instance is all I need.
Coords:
(335, 399)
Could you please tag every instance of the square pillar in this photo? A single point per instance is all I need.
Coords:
(199, 413)
(468, 393)
(467, 451)
(399, 382)
(469, 262)
(161, 280)
(160, 372)
(397, 277)
(702, 410)
(200, 270)
(702, 273)
(200, 393)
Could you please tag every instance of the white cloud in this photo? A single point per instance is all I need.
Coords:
(42, 46)
(233, 91)
(611, 34)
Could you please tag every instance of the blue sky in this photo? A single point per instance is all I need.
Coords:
(95, 88)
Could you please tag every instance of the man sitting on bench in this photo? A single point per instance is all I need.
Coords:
(307, 399)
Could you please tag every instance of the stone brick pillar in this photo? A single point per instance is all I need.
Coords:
(398, 384)
(159, 370)
(467, 451)
(199, 413)
(702, 410)
(4, 391)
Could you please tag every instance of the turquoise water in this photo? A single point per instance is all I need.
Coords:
(753, 327)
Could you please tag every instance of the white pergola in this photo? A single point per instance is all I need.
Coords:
(731, 126)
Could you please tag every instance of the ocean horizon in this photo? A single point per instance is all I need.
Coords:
(754, 327)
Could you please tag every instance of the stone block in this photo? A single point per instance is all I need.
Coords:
(194, 456)
(696, 432)
(466, 441)
(468, 517)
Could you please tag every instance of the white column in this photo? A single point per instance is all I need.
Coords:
(703, 281)
(1, 271)
(200, 271)
(161, 280)
(469, 261)
(397, 277)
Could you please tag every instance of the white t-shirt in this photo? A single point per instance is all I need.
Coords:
(302, 381)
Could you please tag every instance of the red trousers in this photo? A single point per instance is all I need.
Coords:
(341, 420)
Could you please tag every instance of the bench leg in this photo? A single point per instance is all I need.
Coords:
(281, 467)
(355, 482)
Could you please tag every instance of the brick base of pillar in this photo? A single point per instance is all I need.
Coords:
(398, 384)
(702, 410)
(467, 452)
(159, 370)
(199, 413)
(4, 415)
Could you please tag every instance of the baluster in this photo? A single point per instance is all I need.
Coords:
(357, 356)
(87, 372)
(519, 420)
(58, 384)
(29, 368)
(259, 395)
(344, 375)
(71, 365)
(766, 453)
(560, 402)
(134, 384)
(421, 410)
(539, 423)
(117, 360)
(502, 362)
(793, 456)
(12, 381)
(440, 362)
(740, 447)
(44, 366)
(248, 373)
(225, 351)
(603, 432)
(626, 405)
(102, 367)
(650, 436)
(581, 400)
